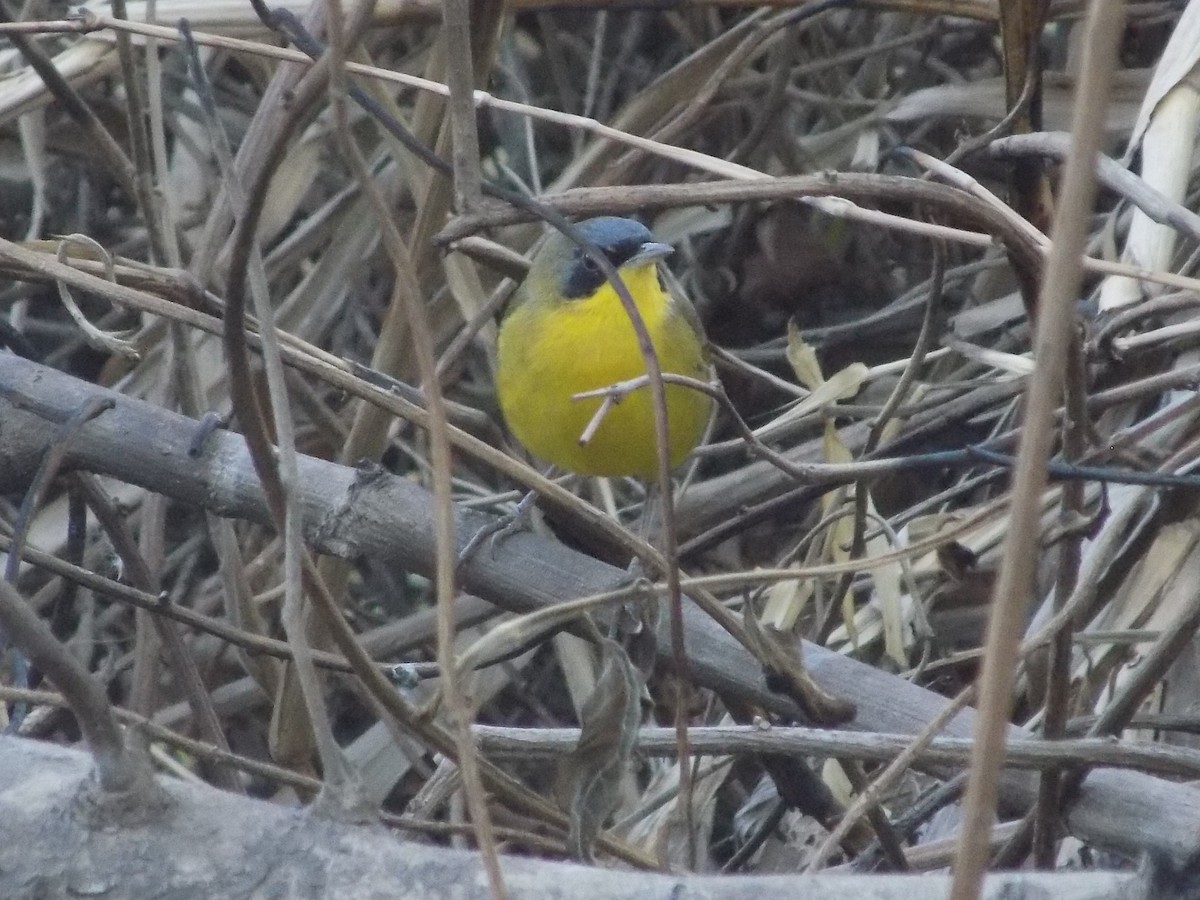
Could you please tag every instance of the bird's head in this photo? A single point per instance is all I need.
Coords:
(627, 243)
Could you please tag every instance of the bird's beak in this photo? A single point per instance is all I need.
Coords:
(649, 252)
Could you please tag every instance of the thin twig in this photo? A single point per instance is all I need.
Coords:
(1015, 583)
(460, 78)
(1114, 176)
(276, 464)
(157, 604)
(466, 156)
(118, 770)
(1058, 665)
(178, 650)
(884, 781)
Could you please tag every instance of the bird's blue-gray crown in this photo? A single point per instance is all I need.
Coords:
(623, 241)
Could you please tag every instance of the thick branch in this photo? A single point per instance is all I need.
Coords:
(217, 844)
(351, 513)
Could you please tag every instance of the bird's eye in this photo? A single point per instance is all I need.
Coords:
(590, 264)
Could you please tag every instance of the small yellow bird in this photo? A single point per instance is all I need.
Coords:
(567, 332)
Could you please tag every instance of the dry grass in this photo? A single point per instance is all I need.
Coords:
(872, 311)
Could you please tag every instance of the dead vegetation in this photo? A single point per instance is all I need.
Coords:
(239, 501)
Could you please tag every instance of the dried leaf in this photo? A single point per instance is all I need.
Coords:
(291, 182)
(609, 723)
(845, 384)
(897, 631)
(803, 359)
(1178, 60)
(82, 63)
(835, 779)
(1166, 131)
(840, 535)
(785, 601)
(1142, 599)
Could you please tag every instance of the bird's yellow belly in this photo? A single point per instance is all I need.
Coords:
(565, 351)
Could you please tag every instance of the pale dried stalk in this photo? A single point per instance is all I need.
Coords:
(1015, 584)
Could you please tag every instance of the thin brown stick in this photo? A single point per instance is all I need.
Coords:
(118, 770)
(178, 650)
(930, 751)
(47, 471)
(1058, 675)
(101, 139)
(276, 470)
(888, 777)
(160, 605)
(460, 78)
(139, 140)
(466, 159)
(1014, 585)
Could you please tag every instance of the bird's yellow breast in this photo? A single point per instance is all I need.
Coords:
(551, 349)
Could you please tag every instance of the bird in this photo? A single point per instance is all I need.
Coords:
(566, 332)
